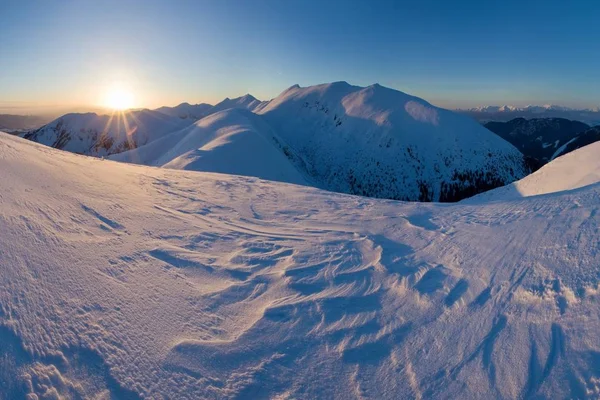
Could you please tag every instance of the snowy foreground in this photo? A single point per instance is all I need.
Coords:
(124, 281)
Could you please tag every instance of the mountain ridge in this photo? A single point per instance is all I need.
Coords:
(538, 138)
(590, 116)
(387, 136)
(102, 134)
(371, 141)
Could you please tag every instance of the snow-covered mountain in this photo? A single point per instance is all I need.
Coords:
(101, 135)
(123, 281)
(199, 111)
(246, 102)
(234, 141)
(529, 108)
(187, 110)
(490, 109)
(372, 141)
(380, 142)
(506, 113)
(538, 138)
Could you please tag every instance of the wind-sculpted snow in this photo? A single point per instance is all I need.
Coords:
(126, 281)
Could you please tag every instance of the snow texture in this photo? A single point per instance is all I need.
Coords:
(126, 281)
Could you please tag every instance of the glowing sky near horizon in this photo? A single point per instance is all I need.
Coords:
(66, 53)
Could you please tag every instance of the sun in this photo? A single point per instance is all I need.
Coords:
(118, 98)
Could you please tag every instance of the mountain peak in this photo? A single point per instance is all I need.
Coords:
(248, 96)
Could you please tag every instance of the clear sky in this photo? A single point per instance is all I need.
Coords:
(454, 53)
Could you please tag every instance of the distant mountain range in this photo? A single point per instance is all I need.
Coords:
(530, 108)
(199, 111)
(15, 123)
(484, 114)
(187, 110)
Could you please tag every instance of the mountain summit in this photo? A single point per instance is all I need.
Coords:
(380, 142)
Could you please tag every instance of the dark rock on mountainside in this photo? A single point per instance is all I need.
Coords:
(538, 138)
(585, 138)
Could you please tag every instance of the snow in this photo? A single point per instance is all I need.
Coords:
(233, 141)
(121, 281)
(381, 142)
(562, 148)
(101, 135)
(370, 141)
(246, 102)
(199, 111)
(572, 171)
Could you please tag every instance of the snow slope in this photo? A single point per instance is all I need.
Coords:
(380, 142)
(572, 171)
(101, 135)
(124, 281)
(234, 141)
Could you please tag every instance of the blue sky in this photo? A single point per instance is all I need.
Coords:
(452, 53)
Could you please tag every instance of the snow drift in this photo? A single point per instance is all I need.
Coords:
(127, 281)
